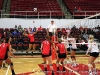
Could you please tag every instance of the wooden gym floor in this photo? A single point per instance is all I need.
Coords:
(25, 65)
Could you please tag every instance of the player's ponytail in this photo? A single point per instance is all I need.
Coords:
(91, 38)
(7, 40)
(48, 38)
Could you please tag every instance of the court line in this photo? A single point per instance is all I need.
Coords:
(41, 57)
(71, 70)
(7, 70)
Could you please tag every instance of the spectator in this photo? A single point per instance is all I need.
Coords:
(4, 35)
(30, 30)
(79, 9)
(75, 9)
(34, 29)
(8, 34)
(40, 28)
(20, 40)
(35, 9)
(20, 29)
(15, 27)
(14, 33)
(74, 27)
(14, 40)
(68, 31)
(81, 30)
(85, 30)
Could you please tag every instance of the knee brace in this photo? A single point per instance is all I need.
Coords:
(11, 64)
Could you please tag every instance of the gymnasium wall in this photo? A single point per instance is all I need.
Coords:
(61, 23)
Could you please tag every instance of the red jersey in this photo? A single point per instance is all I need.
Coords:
(0, 45)
(54, 38)
(4, 48)
(46, 47)
(31, 37)
(61, 48)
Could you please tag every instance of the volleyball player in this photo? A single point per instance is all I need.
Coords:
(3, 63)
(65, 42)
(94, 53)
(10, 53)
(72, 47)
(46, 47)
(61, 51)
(30, 35)
(4, 54)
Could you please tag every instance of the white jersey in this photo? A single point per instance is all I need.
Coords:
(65, 42)
(52, 28)
(93, 47)
(73, 42)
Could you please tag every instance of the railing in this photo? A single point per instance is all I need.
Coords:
(40, 14)
(85, 13)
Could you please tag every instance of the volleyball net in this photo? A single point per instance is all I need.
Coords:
(88, 22)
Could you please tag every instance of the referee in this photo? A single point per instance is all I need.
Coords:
(52, 28)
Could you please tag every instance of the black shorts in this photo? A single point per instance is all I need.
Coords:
(74, 49)
(68, 49)
(63, 55)
(94, 54)
(43, 56)
(31, 42)
(71, 49)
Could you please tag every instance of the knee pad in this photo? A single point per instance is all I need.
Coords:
(11, 64)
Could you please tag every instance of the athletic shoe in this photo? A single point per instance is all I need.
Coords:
(13, 74)
(32, 54)
(90, 73)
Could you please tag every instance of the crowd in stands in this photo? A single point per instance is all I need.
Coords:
(80, 33)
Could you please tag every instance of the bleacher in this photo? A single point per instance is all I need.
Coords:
(88, 7)
(1, 1)
(43, 7)
(1, 4)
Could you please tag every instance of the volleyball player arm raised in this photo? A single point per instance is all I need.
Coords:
(36, 31)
